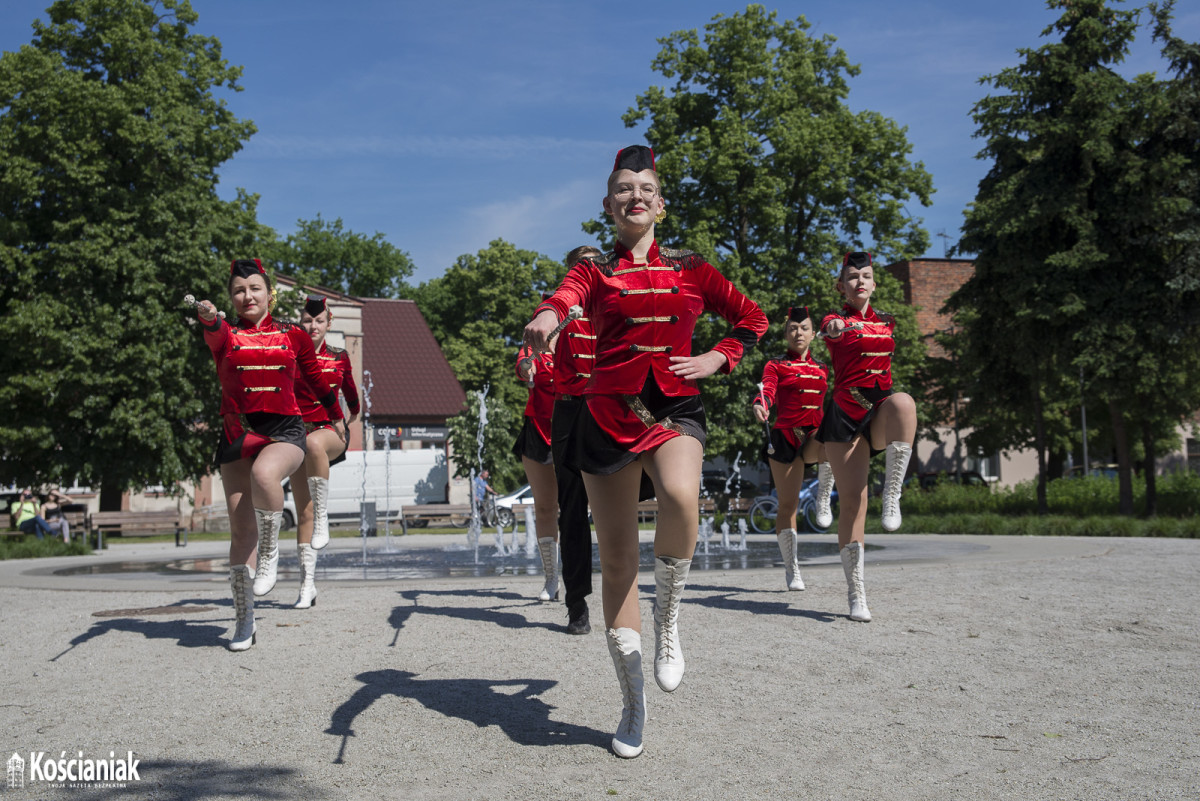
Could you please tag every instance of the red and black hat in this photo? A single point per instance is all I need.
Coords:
(635, 158)
(798, 314)
(858, 260)
(244, 268)
(315, 304)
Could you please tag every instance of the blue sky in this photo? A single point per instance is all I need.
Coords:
(445, 126)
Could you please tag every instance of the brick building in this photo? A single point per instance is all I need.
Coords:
(927, 285)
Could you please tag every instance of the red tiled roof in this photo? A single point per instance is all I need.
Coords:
(411, 376)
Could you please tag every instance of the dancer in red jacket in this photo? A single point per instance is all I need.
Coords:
(643, 413)
(262, 441)
(794, 386)
(325, 444)
(866, 417)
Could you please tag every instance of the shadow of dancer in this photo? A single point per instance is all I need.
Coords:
(494, 614)
(723, 598)
(522, 715)
(188, 633)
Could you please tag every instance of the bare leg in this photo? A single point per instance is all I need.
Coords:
(243, 528)
(850, 462)
(613, 500)
(304, 506)
(674, 467)
(273, 464)
(896, 421)
(545, 497)
(789, 479)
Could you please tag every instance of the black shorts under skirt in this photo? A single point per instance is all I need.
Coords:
(595, 451)
(253, 431)
(785, 453)
(837, 426)
(530, 444)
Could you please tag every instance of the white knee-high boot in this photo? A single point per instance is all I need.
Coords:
(852, 564)
(548, 547)
(824, 494)
(318, 490)
(670, 576)
(308, 570)
(268, 550)
(791, 565)
(895, 466)
(240, 579)
(625, 647)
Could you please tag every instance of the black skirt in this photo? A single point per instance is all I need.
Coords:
(244, 435)
(595, 451)
(837, 426)
(530, 444)
(785, 452)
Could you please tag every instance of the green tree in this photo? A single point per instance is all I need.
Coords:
(323, 253)
(770, 175)
(1033, 223)
(1077, 228)
(477, 311)
(110, 136)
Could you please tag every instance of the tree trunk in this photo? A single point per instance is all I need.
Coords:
(110, 496)
(1151, 471)
(1056, 463)
(1039, 441)
(1124, 462)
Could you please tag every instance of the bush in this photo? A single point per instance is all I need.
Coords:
(33, 548)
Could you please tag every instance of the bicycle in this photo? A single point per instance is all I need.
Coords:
(765, 509)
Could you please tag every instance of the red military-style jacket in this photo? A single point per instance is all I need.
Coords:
(643, 314)
(795, 386)
(258, 366)
(861, 358)
(574, 357)
(338, 374)
(540, 406)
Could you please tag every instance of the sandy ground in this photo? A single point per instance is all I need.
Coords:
(1014, 668)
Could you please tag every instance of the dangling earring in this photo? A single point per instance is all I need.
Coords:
(272, 300)
(662, 215)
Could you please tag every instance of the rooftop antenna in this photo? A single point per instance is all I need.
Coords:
(945, 239)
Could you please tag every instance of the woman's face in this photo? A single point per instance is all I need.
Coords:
(317, 327)
(633, 199)
(799, 335)
(857, 284)
(250, 297)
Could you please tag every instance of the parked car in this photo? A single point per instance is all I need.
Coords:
(512, 504)
(969, 478)
(716, 484)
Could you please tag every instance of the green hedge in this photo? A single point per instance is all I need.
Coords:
(1178, 496)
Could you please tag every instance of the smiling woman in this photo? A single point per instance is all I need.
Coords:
(643, 414)
(262, 442)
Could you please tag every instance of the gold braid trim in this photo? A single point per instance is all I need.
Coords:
(637, 407)
(242, 367)
(856, 393)
(652, 348)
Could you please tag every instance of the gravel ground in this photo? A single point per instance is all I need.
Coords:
(995, 668)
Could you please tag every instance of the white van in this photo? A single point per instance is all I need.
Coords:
(393, 479)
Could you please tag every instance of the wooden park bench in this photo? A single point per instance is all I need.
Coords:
(417, 515)
(648, 510)
(136, 524)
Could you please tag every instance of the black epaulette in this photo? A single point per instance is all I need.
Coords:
(332, 351)
(688, 260)
(604, 263)
(884, 317)
(285, 325)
